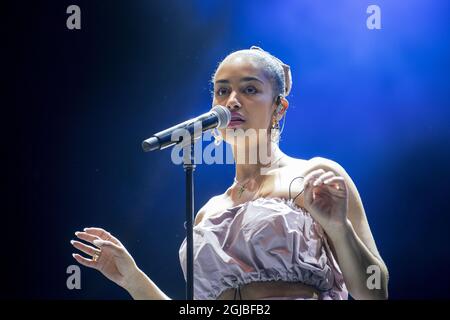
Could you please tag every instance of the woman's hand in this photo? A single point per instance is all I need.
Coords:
(325, 197)
(109, 256)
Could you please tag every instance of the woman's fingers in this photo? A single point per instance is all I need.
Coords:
(96, 241)
(102, 244)
(102, 234)
(116, 249)
(86, 236)
(85, 262)
(323, 177)
(309, 195)
(313, 175)
(85, 248)
(318, 177)
(337, 183)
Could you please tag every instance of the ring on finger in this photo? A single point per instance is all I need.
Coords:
(96, 256)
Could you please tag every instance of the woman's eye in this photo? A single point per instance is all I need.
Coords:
(221, 91)
(250, 90)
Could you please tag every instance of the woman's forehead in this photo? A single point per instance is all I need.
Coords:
(239, 66)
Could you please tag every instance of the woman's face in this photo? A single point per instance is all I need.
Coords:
(241, 86)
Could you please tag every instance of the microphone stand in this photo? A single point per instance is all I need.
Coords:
(189, 167)
(160, 141)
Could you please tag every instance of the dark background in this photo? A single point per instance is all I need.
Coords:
(78, 103)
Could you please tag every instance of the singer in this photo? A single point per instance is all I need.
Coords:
(288, 228)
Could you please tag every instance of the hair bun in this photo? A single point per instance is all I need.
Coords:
(257, 48)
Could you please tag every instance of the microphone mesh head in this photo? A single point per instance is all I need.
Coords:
(224, 116)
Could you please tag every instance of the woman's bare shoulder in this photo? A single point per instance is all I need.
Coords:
(293, 168)
(293, 165)
(306, 165)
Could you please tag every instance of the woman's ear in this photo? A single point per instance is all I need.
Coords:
(284, 104)
(281, 106)
(275, 105)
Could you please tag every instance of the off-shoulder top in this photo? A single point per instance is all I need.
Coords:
(266, 239)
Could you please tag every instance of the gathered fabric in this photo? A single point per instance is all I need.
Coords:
(266, 239)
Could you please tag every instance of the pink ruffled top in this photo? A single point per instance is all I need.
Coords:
(266, 239)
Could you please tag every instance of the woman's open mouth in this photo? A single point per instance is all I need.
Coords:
(235, 123)
(236, 120)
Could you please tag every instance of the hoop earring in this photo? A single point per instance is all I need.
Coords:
(275, 131)
(280, 114)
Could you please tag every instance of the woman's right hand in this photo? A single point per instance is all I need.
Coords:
(113, 261)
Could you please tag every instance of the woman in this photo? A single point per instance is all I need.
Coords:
(285, 229)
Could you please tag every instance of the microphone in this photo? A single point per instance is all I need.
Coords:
(218, 117)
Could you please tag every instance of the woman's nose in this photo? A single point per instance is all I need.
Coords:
(233, 102)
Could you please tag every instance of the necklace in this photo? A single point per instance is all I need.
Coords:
(243, 187)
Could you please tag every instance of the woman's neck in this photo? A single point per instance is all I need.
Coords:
(251, 161)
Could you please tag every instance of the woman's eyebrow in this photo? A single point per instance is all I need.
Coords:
(244, 79)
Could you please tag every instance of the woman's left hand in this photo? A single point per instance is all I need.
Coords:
(325, 197)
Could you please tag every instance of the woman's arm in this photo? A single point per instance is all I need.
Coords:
(354, 259)
(141, 287)
(115, 262)
(349, 231)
